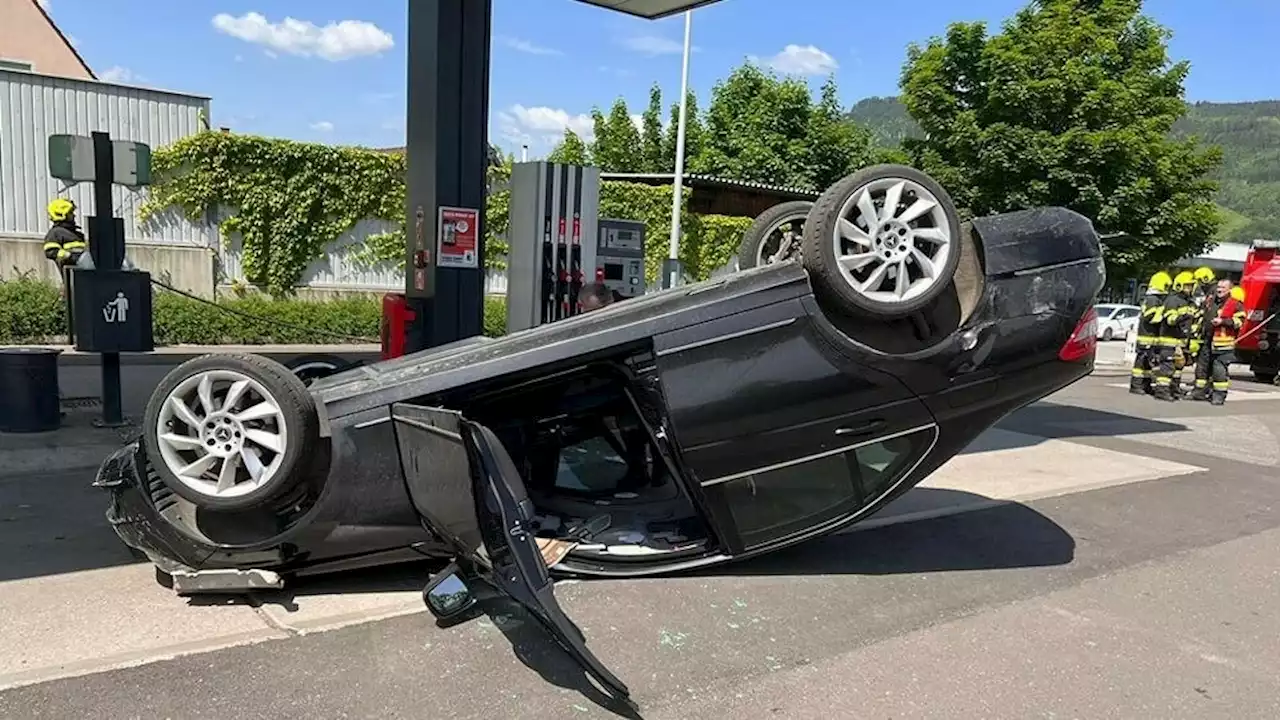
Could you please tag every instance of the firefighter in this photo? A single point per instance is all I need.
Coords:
(1175, 328)
(1149, 323)
(1226, 324)
(64, 243)
(1206, 305)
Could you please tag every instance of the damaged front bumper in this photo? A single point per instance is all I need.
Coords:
(139, 525)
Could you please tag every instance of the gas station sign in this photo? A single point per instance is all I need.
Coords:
(457, 238)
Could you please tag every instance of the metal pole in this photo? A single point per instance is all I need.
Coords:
(671, 268)
(524, 153)
(107, 251)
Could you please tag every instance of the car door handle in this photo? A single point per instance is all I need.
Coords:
(863, 429)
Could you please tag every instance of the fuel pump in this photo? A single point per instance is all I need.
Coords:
(553, 207)
(620, 256)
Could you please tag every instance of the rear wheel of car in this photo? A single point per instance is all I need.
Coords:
(1265, 376)
(883, 242)
(1107, 335)
(775, 235)
(231, 432)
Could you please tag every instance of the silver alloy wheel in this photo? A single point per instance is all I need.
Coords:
(782, 242)
(891, 239)
(222, 434)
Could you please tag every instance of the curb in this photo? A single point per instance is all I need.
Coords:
(48, 460)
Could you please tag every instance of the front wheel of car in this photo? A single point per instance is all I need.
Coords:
(775, 235)
(1107, 335)
(883, 242)
(231, 432)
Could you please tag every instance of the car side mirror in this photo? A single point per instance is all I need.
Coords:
(447, 596)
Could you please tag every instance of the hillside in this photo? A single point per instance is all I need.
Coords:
(1248, 133)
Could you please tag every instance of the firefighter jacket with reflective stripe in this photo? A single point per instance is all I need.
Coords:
(64, 243)
(1232, 316)
(1151, 320)
(1178, 312)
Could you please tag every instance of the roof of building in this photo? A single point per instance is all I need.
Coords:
(700, 180)
(65, 40)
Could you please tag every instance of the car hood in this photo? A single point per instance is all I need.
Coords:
(628, 321)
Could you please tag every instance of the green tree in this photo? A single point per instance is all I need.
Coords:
(834, 145)
(651, 133)
(757, 128)
(694, 135)
(1071, 104)
(571, 149)
(617, 145)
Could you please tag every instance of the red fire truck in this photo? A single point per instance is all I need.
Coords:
(1259, 341)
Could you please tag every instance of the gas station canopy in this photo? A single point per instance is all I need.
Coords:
(649, 9)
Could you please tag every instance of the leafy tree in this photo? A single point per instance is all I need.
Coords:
(571, 149)
(1071, 104)
(757, 126)
(769, 129)
(834, 145)
(617, 145)
(651, 133)
(694, 136)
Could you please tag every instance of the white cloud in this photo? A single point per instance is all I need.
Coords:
(655, 45)
(531, 125)
(323, 126)
(800, 60)
(44, 4)
(118, 74)
(335, 41)
(526, 46)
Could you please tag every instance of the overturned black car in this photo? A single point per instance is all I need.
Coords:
(708, 423)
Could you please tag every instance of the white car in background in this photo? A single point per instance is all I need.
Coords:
(1115, 320)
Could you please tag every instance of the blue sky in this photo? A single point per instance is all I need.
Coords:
(336, 71)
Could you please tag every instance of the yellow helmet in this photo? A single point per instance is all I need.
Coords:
(1204, 275)
(1184, 280)
(60, 209)
(1160, 282)
(1237, 293)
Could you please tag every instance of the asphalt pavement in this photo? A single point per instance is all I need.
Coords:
(1097, 555)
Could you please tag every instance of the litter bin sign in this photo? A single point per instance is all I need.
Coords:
(111, 310)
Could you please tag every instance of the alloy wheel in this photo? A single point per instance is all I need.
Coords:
(892, 240)
(222, 434)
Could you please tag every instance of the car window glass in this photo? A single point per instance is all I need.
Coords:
(1104, 311)
(590, 466)
(1127, 313)
(777, 502)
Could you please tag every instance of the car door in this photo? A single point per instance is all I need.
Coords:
(468, 490)
(777, 425)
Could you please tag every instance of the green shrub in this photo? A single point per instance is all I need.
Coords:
(32, 311)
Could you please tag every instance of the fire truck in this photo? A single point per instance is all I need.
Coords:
(1259, 342)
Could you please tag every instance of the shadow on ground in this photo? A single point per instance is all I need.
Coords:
(1046, 420)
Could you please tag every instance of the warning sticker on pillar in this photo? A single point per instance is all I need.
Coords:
(457, 241)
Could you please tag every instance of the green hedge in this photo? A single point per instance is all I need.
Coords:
(32, 311)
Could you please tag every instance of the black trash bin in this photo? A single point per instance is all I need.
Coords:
(29, 397)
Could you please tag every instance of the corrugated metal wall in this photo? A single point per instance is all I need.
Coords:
(33, 107)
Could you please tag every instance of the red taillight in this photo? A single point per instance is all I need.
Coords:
(1084, 339)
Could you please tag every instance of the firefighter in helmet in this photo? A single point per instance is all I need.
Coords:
(64, 243)
(1174, 330)
(1147, 357)
(1225, 325)
(1205, 299)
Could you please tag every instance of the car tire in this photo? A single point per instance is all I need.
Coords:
(758, 243)
(1108, 335)
(310, 368)
(850, 266)
(1265, 376)
(243, 410)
